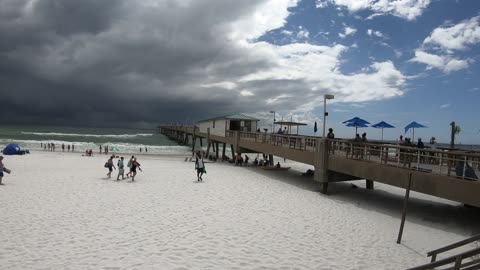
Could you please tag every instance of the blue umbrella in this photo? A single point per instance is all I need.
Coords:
(413, 125)
(382, 125)
(356, 120)
(357, 124)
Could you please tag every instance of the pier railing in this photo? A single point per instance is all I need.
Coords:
(299, 142)
(460, 164)
(453, 163)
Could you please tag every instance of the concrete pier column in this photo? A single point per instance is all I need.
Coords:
(320, 162)
(216, 152)
(223, 151)
(237, 141)
(233, 151)
(369, 184)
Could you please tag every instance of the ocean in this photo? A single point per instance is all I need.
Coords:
(118, 140)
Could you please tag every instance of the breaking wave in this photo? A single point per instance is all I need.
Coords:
(89, 135)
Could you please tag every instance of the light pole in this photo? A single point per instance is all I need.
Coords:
(325, 97)
(273, 125)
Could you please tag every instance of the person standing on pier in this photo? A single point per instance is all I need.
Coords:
(331, 136)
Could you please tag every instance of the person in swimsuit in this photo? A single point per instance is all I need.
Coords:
(135, 166)
(110, 167)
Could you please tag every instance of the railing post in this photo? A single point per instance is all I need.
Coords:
(418, 159)
(399, 155)
(464, 167)
(440, 163)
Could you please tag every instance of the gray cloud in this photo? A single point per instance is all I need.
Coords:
(121, 63)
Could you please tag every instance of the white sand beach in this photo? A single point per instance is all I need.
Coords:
(59, 211)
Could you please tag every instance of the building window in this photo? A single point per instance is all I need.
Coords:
(213, 123)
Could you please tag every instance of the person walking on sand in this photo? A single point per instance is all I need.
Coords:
(110, 167)
(135, 165)
(2, 170)
(129, 166)
(199, 166)
(100, 149)
(120, 169)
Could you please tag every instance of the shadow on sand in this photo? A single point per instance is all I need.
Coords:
(436, 213)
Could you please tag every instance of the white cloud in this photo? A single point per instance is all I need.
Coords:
(371, 32)
(347, 31)
(246, 93)
(448, 41)
(286, 32)
(444, 106)
(303, 33)
(446, 63)
(457, 37)
(406, 9)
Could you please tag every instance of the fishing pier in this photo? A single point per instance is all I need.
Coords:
(444, 174)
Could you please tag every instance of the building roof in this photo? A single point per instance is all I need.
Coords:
(289, 123)
(236, 116)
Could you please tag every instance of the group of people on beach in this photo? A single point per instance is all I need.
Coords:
(51, 147)
(132, 164)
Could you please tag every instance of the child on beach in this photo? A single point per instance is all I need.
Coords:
(2, 169)
(199, 166)
(135, 165)
(120, 168)
(110, 167)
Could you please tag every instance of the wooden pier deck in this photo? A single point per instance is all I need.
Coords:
(433, 172)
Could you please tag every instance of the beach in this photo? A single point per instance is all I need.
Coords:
(60, 211)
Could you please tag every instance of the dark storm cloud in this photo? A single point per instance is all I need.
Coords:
(121, 63)
(113, 62)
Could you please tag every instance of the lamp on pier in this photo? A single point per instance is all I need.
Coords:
(325, 113)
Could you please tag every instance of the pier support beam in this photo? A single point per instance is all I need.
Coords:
(270, 159)
(216, 152)
(208, 150)
(320, 162)
(223, 152)
(369, 184)
(233, 151)
(201, 142)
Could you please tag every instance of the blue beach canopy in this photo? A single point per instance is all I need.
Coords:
(357, 123)
(382, 125)
(413, 125)
(12, 149)
(356, 120)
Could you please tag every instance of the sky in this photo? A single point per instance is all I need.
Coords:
(121, 63)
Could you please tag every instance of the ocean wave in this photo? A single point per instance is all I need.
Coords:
(88, 135)
(113, 146)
